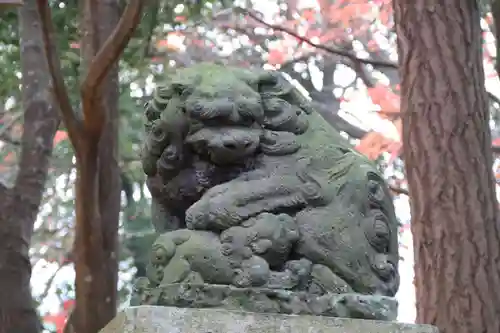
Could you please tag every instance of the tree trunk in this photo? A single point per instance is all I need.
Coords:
(97, 183)
(90, 266)
(90, 259)
(109, 171)
(97, 246)
(19, 204)
(448, 162)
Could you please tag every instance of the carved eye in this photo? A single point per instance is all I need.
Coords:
(158, 134)
(378, 232)
(159, 256)
(375, 190)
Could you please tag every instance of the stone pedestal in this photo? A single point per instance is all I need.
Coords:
(159, 319)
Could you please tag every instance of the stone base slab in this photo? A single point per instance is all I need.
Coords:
(160, 319)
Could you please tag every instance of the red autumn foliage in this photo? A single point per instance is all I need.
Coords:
(345, 19)
(59, 319)
(60, 136)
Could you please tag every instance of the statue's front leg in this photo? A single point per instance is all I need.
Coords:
(230, 204)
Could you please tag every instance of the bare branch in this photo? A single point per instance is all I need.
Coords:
(59, 87)
(7, 4)
(153, 11)
(379, 53)
(105, 59)
(69, 326)
(398, 190)
(338, 122)
(493, 98)
(363, 74)
(90, 18)
(50, 281)
(329, 49)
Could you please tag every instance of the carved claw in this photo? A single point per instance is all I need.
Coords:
(230, 204)
(261, 246)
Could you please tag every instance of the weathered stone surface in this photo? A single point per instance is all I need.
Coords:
(155, 319)
(252, 189)
(265, 300)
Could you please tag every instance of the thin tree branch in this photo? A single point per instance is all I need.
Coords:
(338, 122)
(363, 74)
(344, 53)
(68, 115)
(493, 98)
(69, 326)
(154, 9)
(358, 61)
(398, 190)
(91, 20)
(104, 60)
(8, 4)
(50, 281)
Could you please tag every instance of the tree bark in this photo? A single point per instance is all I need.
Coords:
(97, 184)
(97, 269)
(89, 314)
(109, 171)
(448, 160)
(19, 204)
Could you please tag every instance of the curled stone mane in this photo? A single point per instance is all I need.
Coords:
(260, 204)
(262, 113)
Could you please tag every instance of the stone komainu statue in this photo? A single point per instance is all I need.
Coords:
(260, 204)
